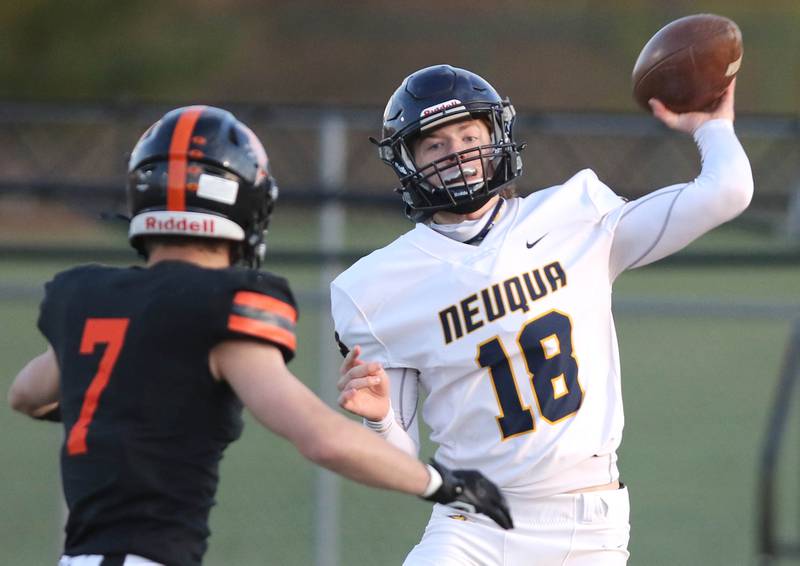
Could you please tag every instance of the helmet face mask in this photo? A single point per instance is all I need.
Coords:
(199, 172)
(432, 98)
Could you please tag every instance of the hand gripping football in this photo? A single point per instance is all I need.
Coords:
(688, 63)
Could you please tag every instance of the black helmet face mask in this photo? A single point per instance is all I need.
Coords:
(464, 176)
(442, 98)
(200, 172)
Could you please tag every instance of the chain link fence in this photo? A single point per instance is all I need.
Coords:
(70, 151)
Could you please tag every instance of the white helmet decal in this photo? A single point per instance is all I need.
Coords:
(441, 107)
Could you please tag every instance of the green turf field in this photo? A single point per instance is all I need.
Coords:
(697, 393)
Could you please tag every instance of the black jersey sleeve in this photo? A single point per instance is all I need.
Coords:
(54, 305)
(48, 310)
(263, 308)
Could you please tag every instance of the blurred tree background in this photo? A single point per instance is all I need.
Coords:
(546, 55)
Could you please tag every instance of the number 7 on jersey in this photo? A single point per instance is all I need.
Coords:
(109, 331)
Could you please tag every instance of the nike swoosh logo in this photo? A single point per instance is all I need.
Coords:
(529, 245)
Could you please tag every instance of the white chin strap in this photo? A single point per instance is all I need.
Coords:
(182, 223)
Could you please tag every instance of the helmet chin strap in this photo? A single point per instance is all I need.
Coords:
(471, 206)
(478, 238)
(470, 231)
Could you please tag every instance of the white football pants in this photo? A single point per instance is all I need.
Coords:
(580, 529)
(97, 559)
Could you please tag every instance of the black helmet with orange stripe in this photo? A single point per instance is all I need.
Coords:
(200, 172)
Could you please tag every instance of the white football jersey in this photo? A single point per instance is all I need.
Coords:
(513, 339)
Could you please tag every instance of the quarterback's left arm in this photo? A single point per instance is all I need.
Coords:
(35, 390)
(363, 392)
(379, 402)
(399, 425)
(665, 221)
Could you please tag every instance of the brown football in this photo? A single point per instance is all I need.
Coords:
(688, 63)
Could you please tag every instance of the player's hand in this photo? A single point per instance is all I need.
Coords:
(364, 387)
(471, 491)
(689, 121)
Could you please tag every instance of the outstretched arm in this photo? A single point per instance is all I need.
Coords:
(280, 402)
(283, 404)
(666, 220)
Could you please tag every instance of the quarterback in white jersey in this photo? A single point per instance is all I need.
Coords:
(499, 309)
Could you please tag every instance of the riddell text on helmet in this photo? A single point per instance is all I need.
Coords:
(440, 107)
(183, 225)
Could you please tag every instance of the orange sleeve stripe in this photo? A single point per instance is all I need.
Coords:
(178, 148)
(265, 303)
(262, 330)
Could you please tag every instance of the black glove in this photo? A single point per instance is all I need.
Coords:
(471, 491)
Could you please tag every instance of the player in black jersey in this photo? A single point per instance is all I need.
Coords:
(148, 367)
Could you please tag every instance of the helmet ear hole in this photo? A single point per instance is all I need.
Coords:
(386, 153)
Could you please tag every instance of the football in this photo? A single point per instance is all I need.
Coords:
(688, 63)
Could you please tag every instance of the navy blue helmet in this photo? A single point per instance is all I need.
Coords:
(432, 97)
